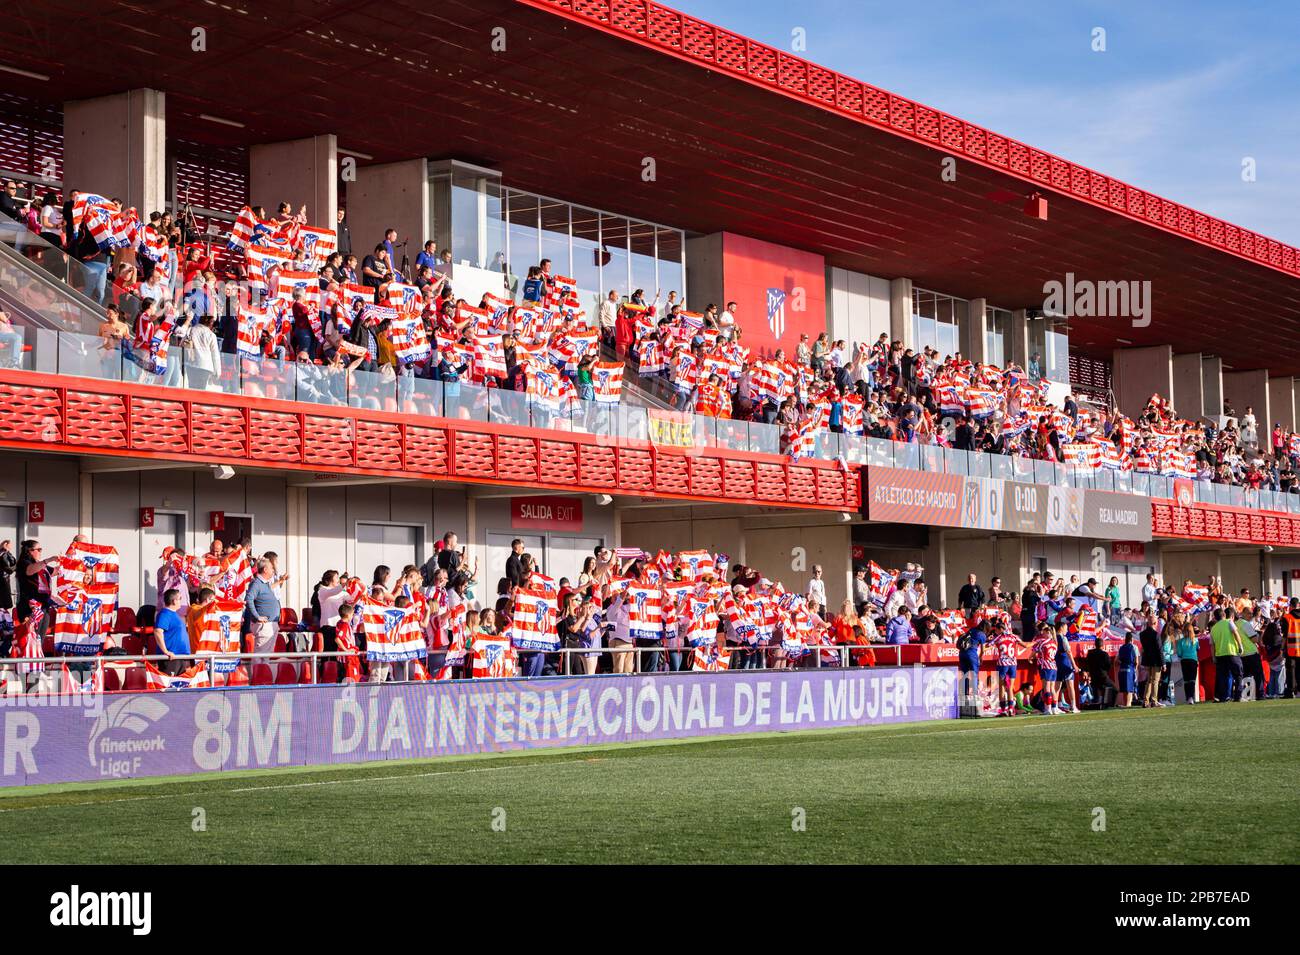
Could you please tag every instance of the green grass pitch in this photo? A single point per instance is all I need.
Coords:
(1207, 784)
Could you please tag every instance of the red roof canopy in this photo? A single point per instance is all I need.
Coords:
(744, 137)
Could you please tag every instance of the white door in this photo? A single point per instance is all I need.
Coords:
(568, 554)
(392, 545)
(1132, 582)
(168, 531)
(498, 552)
(11, 531)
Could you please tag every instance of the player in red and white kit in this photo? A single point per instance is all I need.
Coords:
(1045, 656)
(1006, 644)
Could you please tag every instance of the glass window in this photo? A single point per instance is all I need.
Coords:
(641, 243)
(523, 234)
(672, 277)
(1056, 358)
(997, 325)
(586, 248)
(475, 234)
(613, 237)
(555, 236)
(937, 321)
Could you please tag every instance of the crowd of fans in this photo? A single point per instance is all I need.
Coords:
(1056, 645)
(288, 291)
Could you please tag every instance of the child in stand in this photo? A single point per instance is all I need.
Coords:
(349, 667)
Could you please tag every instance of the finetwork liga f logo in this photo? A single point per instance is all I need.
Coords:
(776, 312)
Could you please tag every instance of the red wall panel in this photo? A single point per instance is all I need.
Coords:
(218, 430)
(635, 469)
(672, 474)
(769, 483)
(158, 425)
(379, 445)
(274, 435)
(475, 455)
(32, 414)
(738, 479)
(426, 449)
(559, 463)
(750, 267)
(98, 420)
(329, 441)
(516, 459)
(706, 476)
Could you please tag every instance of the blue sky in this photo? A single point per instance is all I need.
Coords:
(1183, 92)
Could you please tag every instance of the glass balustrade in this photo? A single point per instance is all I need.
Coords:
(52, 351)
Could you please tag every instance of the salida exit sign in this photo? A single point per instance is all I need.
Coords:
(546, 513)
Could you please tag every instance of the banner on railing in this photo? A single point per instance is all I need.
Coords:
(192, 731)
(953, 500)
(671, 428)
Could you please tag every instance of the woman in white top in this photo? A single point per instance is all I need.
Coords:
(202, 355)
(52, 220)
(1249, 434)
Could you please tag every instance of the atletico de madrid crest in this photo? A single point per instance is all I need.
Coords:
(776, 312)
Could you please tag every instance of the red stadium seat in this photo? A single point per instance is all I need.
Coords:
(262, 675)
(125, 622)
(312, 665)
(329, 671)
(288, 619)
(286, 673)
(308, 617)
(135, 680)
(113, 678)
(133, 644)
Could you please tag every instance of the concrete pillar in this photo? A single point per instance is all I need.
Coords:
(301, 172)
(1189, 386)
(1139, 373)
(1281, 404)
(1018, 347)
(1212, 385)
(704, 271)
(976, 343)
(116, 146)
(900, 312)
(390, 196)
(1249, 389)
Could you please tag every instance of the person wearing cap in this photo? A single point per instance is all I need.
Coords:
(1086, 593)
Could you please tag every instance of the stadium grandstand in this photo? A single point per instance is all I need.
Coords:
(302, 391)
